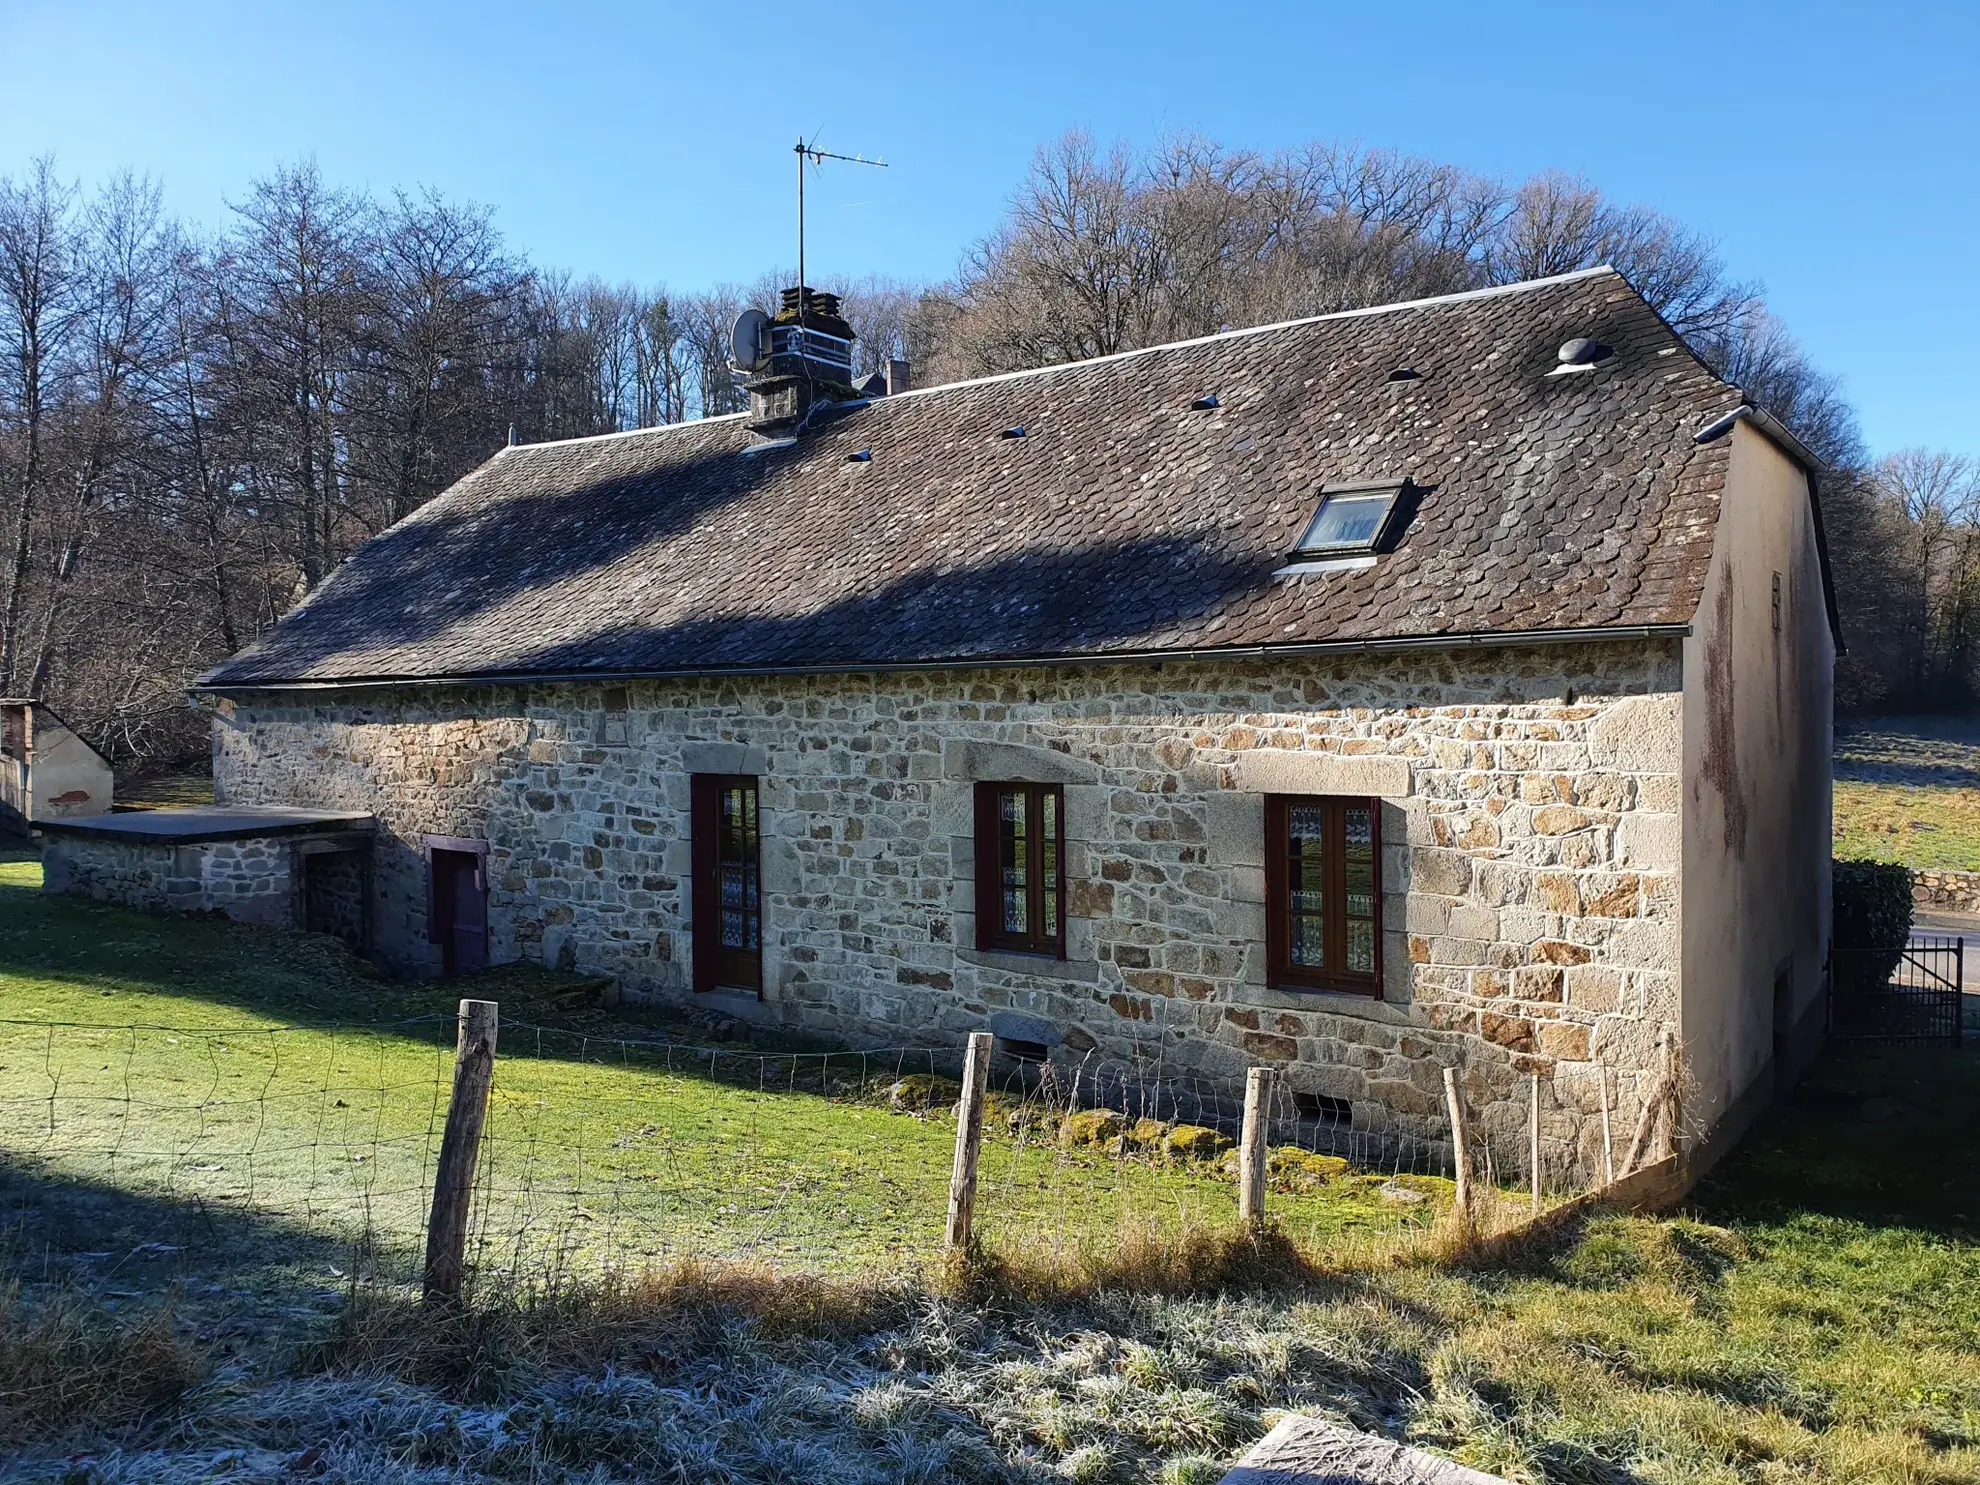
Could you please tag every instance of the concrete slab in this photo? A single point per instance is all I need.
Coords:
(1311, 1451)
(207, 822)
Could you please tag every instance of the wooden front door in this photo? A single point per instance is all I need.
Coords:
(460, 911)
(728, 908)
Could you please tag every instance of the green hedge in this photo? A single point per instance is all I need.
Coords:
(1871, 922)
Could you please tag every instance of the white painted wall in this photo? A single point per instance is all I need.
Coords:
(61, 777)
(1756, 811)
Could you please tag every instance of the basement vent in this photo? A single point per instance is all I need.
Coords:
(1325, 1108)
(1023, 1051)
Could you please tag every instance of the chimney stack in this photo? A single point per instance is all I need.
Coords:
(899, 378)
(810, 364)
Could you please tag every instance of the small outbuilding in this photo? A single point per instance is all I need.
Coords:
(284, 868)
(47, 771)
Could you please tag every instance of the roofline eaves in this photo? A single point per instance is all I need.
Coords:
(1202, 655)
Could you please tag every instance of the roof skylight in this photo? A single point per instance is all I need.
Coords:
(1351, 519)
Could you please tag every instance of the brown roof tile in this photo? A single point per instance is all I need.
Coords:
(1123, 522)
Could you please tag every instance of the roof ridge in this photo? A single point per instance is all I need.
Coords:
(1492, 291)
(552, 443)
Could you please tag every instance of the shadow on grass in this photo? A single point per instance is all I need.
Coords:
(1928, 752)
(71, 1229)
(1883, 1137)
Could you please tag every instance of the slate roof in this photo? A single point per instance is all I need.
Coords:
(1123, 523)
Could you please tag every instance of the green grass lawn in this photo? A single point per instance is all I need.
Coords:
(1813, 1314)
(266, 1080)
(1908, 790)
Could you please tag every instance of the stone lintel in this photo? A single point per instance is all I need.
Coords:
(1285, 771)
(1020, 763)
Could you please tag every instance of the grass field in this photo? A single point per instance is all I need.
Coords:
(1907, 789)
(1813, 1315)
(270, 1078)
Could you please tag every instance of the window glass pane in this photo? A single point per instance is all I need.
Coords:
(1361, 946)
(736, 869)
(1346, 521)
(1306, 880)
(1012, 858)
(1048, 816)
(1309, 945)
(1307, 869)
(1358, 857)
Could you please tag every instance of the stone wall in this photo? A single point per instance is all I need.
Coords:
(248, 880)
(1946, 891)
(1529, 825)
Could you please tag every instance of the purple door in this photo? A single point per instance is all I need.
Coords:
(460, 911)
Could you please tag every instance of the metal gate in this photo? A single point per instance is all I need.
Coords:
(1912, 994)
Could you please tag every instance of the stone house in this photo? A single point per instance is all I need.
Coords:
(1440, 684)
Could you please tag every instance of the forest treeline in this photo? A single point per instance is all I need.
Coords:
(196, 429)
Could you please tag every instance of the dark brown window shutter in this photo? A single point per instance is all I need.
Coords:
(989, 901)
(1278, 922)
(704, 806)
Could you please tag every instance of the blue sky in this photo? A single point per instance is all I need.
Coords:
(1832, 151)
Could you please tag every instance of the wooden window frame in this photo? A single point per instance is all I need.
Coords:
(1284, 973)
(718, 969)
(990, 935)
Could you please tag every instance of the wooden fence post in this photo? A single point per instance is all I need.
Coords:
(1608, 1140)
(1533, 1144)
(1252, 1154)
(969, 1142)
(1460, 1154)
(460, 1149)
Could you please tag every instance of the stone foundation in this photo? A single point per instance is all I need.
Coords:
(1529, 819)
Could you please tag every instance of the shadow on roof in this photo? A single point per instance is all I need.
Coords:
(1031, 603)
(415, 581)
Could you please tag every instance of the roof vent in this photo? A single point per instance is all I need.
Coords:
(1016, 430)
(860, 456)
(1580, 354)
(1206, 403)
(1405, 374)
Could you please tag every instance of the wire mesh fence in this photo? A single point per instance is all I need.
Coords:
(603, 1152)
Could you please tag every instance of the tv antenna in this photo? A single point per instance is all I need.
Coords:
(817, 157)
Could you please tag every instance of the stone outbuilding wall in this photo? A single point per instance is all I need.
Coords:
(1530, 803)
(277, 868)
(249, 881)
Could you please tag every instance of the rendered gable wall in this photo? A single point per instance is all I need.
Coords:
(1757, 839)
(1531, 839)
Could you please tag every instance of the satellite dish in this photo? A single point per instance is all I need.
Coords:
(749, 341)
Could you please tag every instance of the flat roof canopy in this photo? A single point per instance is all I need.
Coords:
(207, 822)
